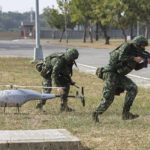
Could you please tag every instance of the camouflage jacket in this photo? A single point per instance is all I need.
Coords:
(120, 60)
(61, 68)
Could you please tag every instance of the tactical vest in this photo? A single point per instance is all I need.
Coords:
(49, 58)
(116, 64)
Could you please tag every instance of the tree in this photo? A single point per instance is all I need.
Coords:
(56, 19)
(100, 17)
(132, 14)
(120, 14)
(81, 13)
(142, 10)
(64, 7)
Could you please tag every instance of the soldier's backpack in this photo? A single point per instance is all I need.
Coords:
(39, 66)
(45, 67)
(99, 72)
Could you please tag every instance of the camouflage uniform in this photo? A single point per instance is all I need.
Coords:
(61, 73)
(115, 79)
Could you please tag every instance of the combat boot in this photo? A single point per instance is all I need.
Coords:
(39, 106)
(66, 108)
(95, 116)
(69, 109)
(129, 116)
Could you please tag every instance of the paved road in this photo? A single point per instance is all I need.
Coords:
(89, 59)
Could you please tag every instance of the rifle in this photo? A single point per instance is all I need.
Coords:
(145, 55)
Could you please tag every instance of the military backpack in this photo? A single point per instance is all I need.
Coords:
(45, 67)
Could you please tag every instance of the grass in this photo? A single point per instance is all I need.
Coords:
(111, 133)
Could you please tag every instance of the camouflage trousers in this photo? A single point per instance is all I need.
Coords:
(113, 81)
(47, 82)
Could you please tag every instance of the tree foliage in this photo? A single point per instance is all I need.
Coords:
(122, 14)
(53, 18)
(56, 19)
(10, 21)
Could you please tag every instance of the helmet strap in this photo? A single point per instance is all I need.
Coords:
(75, 64)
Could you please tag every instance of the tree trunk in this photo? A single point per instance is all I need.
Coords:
(97, 29)
(53, 34)
(104, 30)
(66, 35)
(84, 33)
(91, 33)
(131, 32)
(146, 30)
(107, 38)
(124, 34)
(62, 35)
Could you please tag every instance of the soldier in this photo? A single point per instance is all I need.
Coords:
(122, 61)
(58, 68)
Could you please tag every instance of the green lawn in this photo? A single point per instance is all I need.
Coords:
(111, 133)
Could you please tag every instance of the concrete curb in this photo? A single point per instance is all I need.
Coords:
(51, 139)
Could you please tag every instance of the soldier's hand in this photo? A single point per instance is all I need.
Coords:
(72, 83)
(60, 90)
(138, 59)
(44, 69)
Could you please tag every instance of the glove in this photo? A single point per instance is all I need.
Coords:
(72, 83)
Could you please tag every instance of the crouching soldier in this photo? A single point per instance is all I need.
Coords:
(122, 61)
(57, 67)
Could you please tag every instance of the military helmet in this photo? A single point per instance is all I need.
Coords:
(140, 41)
(71, 54)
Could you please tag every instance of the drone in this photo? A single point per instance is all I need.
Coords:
(18, 97)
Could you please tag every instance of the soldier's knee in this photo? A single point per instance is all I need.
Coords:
(134, 89)
(109, 95)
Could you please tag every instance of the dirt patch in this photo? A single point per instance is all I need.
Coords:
(9, 35)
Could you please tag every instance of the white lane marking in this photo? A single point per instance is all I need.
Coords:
(131, 75)
(86, 66)
(140, 77)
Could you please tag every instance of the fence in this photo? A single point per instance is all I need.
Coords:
(116, 33)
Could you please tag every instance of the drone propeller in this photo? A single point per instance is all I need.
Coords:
(22, 86)
(78, 96)
(82, 98)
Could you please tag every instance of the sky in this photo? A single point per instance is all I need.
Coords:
(25, 5)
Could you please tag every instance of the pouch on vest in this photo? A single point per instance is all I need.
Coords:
(124, 70)
(39, 66)
(99, 72)
(44, 71)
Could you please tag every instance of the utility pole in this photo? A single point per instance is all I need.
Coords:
(38, 54)
(31, 15)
